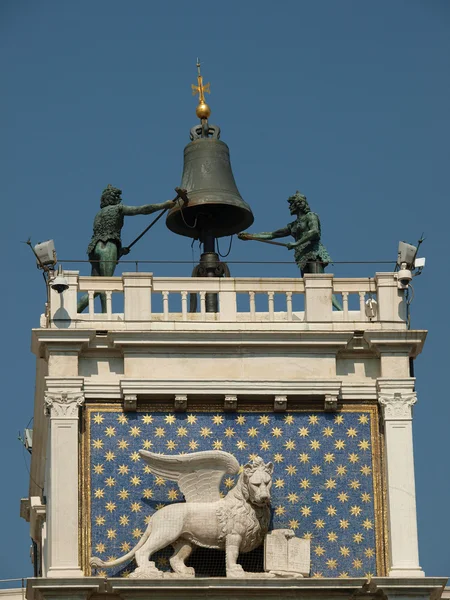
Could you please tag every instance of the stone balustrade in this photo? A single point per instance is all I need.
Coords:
(141, 298)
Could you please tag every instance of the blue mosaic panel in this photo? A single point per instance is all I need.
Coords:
(323, 484)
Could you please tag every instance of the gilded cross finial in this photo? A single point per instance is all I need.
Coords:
(203, 111)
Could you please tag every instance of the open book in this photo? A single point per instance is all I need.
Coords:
(286, 554)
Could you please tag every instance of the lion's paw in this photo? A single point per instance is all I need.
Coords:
(236, 572)
(146, 572)
(178, 575)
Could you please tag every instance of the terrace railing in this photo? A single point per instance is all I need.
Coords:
(140, 297)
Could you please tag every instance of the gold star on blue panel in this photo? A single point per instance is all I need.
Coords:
(323, 485)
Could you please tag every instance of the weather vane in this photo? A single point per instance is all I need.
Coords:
(202, 111)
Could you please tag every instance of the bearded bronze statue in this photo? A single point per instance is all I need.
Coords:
(105, 248)
(310, 254)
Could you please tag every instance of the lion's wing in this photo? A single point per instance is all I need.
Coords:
(198, 474)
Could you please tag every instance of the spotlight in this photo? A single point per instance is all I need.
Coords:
(45, 254)
(406, 254)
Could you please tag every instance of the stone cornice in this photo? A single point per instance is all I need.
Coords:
(71, 340)
(328, 341)
(350, 391)
(390, 385)
(102, 390)
(358, 391)
(408, 342)
(66, 384)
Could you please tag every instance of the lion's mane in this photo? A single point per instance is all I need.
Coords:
(237, 511)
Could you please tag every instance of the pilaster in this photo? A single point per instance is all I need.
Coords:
(396, 398)
(62, 408)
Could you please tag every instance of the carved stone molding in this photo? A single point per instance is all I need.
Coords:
(397, 406)
(63, 405)
(181, 403)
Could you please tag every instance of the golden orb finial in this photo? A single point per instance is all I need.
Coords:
(202, 111)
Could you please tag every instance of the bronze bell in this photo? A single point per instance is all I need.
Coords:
(215, 205)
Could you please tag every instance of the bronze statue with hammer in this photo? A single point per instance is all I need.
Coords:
(105, 248)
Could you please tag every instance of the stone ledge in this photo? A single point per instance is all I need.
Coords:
(378, 587)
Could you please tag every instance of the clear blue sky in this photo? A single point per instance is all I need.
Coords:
(347, 101)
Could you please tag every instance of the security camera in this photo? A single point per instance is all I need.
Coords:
(404, 277)
(59, 283)
(60, 286)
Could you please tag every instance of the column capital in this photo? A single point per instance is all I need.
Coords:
(397, 406)
(63, 405)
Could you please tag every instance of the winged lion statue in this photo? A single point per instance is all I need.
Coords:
(236, 523)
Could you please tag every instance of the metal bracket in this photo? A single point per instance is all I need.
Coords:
(280, 404)
(230, 403)
(180, 403)
(130, 402)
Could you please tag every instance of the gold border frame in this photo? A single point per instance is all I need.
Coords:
(376, 435)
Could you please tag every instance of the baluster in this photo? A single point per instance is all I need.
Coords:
(252, 305)
(184, 296)
(165, 296)
(203, 305)
(108, 304)
(345, 305)
(91, 304)
(270, 296)
(289, 305)
(362, 306)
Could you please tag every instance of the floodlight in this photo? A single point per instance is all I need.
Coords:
(46, 254)
(29, 439)
(419, 263)
(406, 255)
